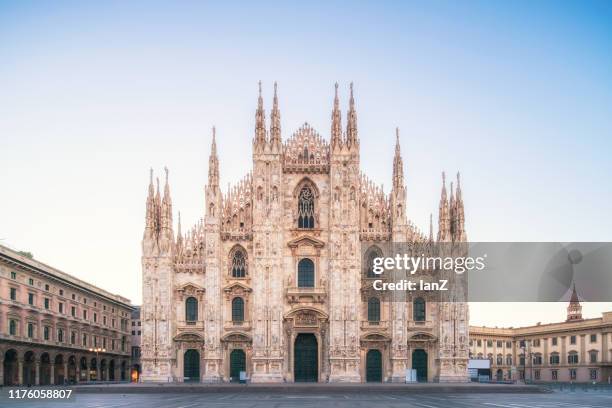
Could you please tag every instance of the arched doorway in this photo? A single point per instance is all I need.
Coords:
(103, 368)
(374, 366)
(11, 377)
(83, 369)
(237, 364)
(58, 369)
(93, 370)
(45, 369)
(499, 375)
(29, 368)
(306, 358)
(111, 370)
(72, 376)
(191, 366)
(419, 363)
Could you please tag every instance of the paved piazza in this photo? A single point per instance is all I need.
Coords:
(279, 399)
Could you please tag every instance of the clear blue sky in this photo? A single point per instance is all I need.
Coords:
(516, 95)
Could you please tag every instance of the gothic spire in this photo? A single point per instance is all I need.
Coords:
(213, 162)
(275, 127)
(260, 121)
(443, 215)
(430, 227)
(166, 211)
(459, 213)
(398, 165)
(351, 126)
(150, 215)
(336, 129)
(574, 309)
(179, 234)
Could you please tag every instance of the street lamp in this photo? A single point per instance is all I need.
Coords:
(97, 350)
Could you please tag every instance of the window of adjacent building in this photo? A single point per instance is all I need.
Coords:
(72, 337)
(572, 339)
(103, 307)
(536, 374)
(112, 344)
(84, 314)
(536, 343)
(103, 342)
(572, 357)
(593, 356)
(489, 343)
(95, 316)
(13, 275)
(12, 327)
(31, 281)
(479, 343)
(31, 299)
(572, 374)
(593, 373)
(61, 292)
(522, 344)
(122, 343)
(113, 322)
(95, 304)
(239, 264)
(60, 307)
(104, 320)
(73, 311)
(471, 342)
(554, 374)
(306, 273)
(60, 335)
(73, 296)
(509, 359)
(593, 338)
(133, 323)
(374, 309)
(508, 344)
(373, 253)
(85, 300)
(139, 333)
(95, 339)
(500, 360)
(133, 332)
(306, 208)
(554, 341)
(554, 358)
(537, 359)
(84, 339)
(522, 359)
(46, 332)
(47, 303)
(419, 310)
(30, 330)
(499, 343)
(13, 294)
(46, 287)
(139, 324)
(237, 309)
(191, 309)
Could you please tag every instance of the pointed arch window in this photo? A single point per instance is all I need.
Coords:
(419, 311)
(238, 264)
(306, 208)
(191, 309)
(374, 309)
(372, 254)
(237, 309)
(306, 278)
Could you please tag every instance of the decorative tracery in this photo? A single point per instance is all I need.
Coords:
(238, 264)
(306, 208)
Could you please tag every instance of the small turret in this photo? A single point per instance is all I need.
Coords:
(260, 123)
(336, 128)
(351, 126)
(275, 126)
(574, 309)
(443, 215)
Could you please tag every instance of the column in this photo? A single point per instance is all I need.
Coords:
(20, 371)
(52, 374)
(2, 365)
(66, 377)
(98, 370)
(582, 349)
(37, 375)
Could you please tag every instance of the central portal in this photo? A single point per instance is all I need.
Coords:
(306, 358)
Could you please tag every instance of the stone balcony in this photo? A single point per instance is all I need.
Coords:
(380, 325)
(306, 295)
(427, 325)
(231, 325)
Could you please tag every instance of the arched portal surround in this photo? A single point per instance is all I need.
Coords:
(380, 341)
(185, 342)
(307, 320)
(425, 346)
(10, 367)
(233, 343)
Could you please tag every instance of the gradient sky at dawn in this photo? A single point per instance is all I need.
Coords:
(515, 95)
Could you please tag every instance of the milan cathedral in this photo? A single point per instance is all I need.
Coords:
(272, 285)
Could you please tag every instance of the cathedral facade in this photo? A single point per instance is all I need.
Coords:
(272, 285)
